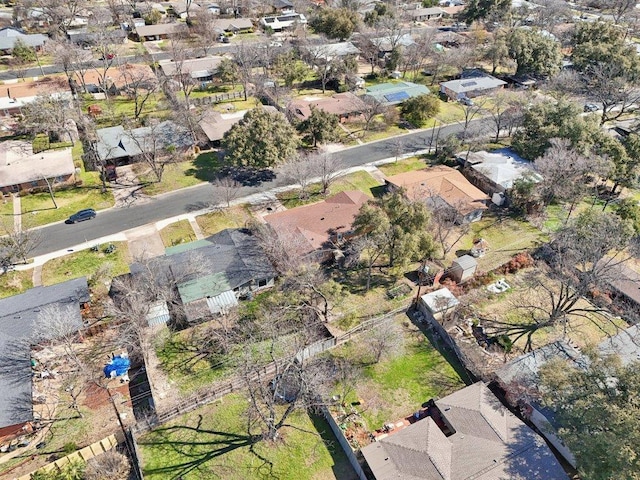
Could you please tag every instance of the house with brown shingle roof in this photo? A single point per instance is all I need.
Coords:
(346, 106)
(442, 186)
(467, 435)
(317, 227)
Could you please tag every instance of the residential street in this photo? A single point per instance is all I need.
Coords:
(60, 236)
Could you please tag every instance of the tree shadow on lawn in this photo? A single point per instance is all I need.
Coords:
(341, 467)
(192, 454)
(206, 167)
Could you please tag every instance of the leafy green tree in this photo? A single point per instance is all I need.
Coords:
(261, 139)
(291, 69)
(624, 158)
(23, 52)
(418, 110)
(603, 43)
(597, 408)
(229, 72)
(320, 126)
(485, 9)
(629, 210)
(545, 121)
(397, 226)
(497, 52)
(337, 23)
(372, 18)
(153, 17)
(534, 52)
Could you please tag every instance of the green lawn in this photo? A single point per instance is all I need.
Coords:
(187, 374)
(401, 166)
(38, 209)
(6, 206)
(211, 442)
(361, 180)
(13, 283)
(120, 109)
(86, 263)
(450, 112)
(234, 217)
(506, 237)
(179, 175)
(176, 233)
(397, 386)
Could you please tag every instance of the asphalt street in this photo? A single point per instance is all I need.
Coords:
(60, 236)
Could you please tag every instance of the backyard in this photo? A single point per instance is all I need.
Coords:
(515, 308)
(212, 442)
(506, 236)
(399, 384)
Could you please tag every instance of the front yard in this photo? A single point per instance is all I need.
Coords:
(98, 266)
(360, 180)
(176, 233)
(15, 282)
(212, 442)
(188, 173)
(38, 209)
(233, 217)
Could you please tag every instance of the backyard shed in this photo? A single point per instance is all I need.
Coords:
(463, 268)
(438, 302)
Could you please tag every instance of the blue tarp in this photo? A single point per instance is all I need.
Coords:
(117, 367)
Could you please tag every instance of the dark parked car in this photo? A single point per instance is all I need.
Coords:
(82, 215)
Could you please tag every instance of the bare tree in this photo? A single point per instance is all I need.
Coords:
(69, 56)
(566, 173)
(372, 110)
(502, 110)
(201, 25)
(179, 55)
(444, 228)
(300, 171)
(54, 116)
(326, 167)
(470, 112)
(17, 245)
(226, 189)
(141, 85)
(247, 58)
(385, 340)
(160, 145)
(608, 85)
(589, 252)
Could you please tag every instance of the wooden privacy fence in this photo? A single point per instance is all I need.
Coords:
(83, 455)
(236, 384)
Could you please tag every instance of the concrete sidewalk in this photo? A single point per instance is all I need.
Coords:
(145, 240)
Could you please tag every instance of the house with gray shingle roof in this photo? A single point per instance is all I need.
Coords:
(9, 36)
(468, 434)
(471, 87)
(20, 328)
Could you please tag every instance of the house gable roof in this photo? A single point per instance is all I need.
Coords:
(339, 104)
(442, 182)
(464, 85)
(9, 35)
(309, 226)
(503, 167)
(116, 142)
(488, 443)
(18, 163)
(19, 318)
(231, 258)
